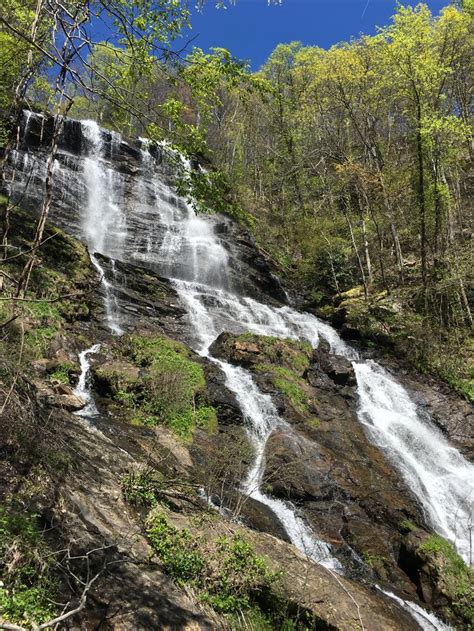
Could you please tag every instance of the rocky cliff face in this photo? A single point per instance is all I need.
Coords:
(167, 446)
(127, 179)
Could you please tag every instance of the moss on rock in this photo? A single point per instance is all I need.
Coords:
(155, 380)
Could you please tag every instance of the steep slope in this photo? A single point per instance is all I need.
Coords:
(344, 507)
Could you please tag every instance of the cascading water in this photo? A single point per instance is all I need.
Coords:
(434, 470)
(140, 219)
(103, 224)
(259, 410)
(186, 249)
(82, 390)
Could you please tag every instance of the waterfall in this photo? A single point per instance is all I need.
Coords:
(103, 224)
(82, 389)
(185, 248)
(139, 218)
(434, 470)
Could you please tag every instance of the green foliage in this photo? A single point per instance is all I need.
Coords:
(140, 487)
(62, 373)
(170, 389)
(228, 574)
(344, 163)
(177, 550)
(240, 577)
(28, 591)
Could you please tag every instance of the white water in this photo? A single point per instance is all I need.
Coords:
(434, 470)
(103, 222)
(427, 621)
(82, 389)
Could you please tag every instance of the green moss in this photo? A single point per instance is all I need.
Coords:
(436, 544)
(406, 524)
(169, 389)
(289, 383)
(314, 422)
(373, 560)
(292, 354)
(455, 578)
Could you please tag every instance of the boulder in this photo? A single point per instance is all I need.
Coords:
(443, 580)
(338, 368)
(114, 376)
(70, 402)
(295, 468)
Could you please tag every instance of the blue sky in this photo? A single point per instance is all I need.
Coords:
(251, 29)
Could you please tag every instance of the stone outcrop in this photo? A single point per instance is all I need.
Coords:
(90, 510)
(322, 460)
(439, 573)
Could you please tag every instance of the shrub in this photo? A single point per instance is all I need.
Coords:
(171, 388)
(176, 549)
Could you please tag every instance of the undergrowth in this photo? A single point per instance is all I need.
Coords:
(27, 590)
(168, 389)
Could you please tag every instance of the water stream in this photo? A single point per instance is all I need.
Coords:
(170, 238)
(83, 390)
(103, 223)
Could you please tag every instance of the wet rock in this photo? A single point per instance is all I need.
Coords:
(261, 518)
(295, 468)
(338, 368)
(145, 300)
(322, 460)
(223, 400)
(253, 273)
(452, 414)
